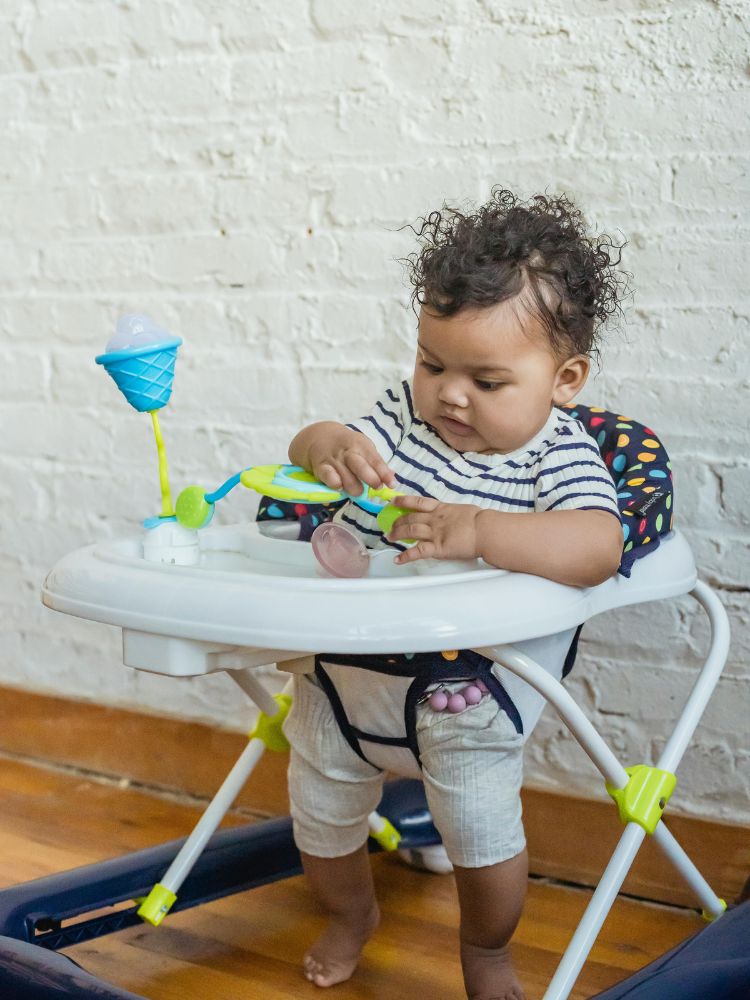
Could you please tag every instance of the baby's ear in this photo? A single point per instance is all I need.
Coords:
(570, 379)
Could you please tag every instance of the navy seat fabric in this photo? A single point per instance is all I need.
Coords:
(714, 964)
(640, 467)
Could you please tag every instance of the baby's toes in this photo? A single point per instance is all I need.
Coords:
(311, 967)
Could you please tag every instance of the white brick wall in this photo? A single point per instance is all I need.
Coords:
(239, 170)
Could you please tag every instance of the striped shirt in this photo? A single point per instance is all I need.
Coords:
(560, 468)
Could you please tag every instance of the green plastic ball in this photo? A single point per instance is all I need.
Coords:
(192, 510)
(388, 517)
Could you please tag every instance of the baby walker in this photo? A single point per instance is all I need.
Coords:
(194, 598)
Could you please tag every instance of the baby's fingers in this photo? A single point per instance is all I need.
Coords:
(329, 476)
(422, 550)
(366, 470)
(387, 475)
(424, 505)
(409, 527)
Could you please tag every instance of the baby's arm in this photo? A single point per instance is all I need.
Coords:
(581, 548)
(340, 457)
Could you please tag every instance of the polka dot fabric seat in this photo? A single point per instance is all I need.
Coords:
(640, 467)
(636, 459)
(309, 515)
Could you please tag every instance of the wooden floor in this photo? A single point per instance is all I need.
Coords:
(251, 945)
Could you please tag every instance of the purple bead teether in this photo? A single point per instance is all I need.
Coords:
(438, 700)
(456, 703)
(472, 694)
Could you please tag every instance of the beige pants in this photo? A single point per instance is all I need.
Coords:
(472, 767)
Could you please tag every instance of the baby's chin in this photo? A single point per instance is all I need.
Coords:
(463, 444)
(476, 446)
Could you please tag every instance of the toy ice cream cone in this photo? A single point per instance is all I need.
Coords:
(144, 375)
(141, 357)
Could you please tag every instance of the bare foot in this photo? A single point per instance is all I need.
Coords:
(489, 974)
(334, 956)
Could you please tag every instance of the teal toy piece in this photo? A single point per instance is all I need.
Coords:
(224, 488)
(195, 507)
(144, 375)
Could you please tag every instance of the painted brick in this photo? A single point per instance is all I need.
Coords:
(241, 170)
(50, 212)
(101, 146)
(387, 196)
(722, 182)
(127, 206)
(351, 18)
(249, 25)
(216, 261)
(735, 490)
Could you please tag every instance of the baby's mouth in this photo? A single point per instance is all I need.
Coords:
(457, 427)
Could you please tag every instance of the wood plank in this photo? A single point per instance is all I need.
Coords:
(168, 753)
(570, 838)
(252, 944)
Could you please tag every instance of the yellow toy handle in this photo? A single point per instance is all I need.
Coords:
(166, 496)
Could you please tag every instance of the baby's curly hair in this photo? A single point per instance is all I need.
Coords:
(538, 248)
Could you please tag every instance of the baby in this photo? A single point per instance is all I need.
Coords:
(509, 300)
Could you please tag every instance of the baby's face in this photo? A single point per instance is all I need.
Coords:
(485, 382)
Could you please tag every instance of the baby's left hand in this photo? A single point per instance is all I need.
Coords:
(441, 530)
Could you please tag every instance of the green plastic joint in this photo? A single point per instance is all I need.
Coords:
(157, 904)
(645, 796)
(710, 917)
(268, 727)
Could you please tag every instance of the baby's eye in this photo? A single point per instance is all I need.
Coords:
(486, 386)
(433, 369)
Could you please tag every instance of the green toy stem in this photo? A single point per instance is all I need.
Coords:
(166, 497)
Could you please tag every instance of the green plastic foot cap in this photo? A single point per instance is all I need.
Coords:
(388, 837)
(710, 917)
(157, 904)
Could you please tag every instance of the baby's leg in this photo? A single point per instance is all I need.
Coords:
(344, 889)
(332, 791)
(491, 901)
(472, 766)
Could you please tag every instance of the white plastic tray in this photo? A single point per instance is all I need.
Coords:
(266, 595)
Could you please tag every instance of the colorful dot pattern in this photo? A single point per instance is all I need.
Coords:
(309, 515)
(640, 466)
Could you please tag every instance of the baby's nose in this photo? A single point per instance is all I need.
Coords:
(452, 391)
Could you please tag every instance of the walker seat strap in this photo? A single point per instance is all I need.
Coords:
(381, 707)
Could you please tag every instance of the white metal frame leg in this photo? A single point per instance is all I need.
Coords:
(214, 813)
(615, 775)
(231, 787)
(217, 808)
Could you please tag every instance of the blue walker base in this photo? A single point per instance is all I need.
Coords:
(38, 918)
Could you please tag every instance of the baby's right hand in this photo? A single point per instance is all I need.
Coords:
(348, 461)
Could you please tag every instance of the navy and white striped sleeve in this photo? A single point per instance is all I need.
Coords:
(388, 421)
(572, 475)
